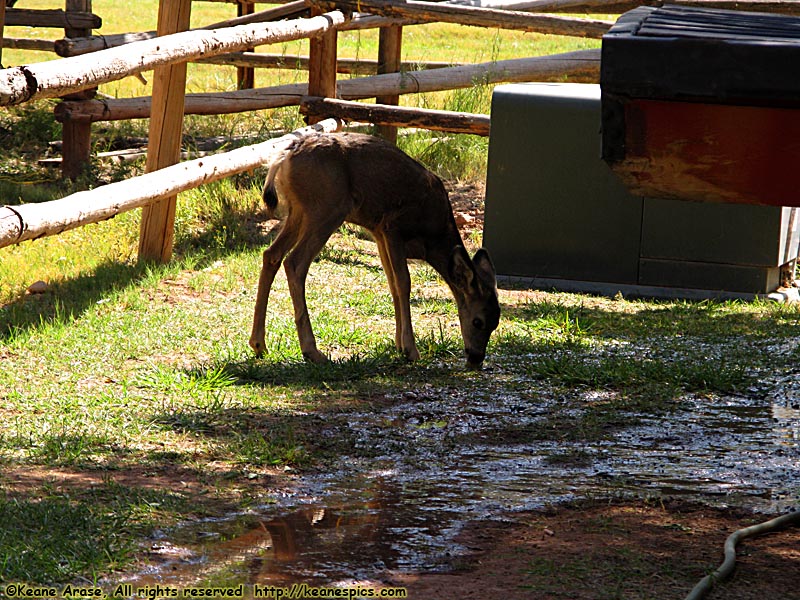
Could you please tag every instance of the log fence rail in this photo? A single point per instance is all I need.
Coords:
(89, 60)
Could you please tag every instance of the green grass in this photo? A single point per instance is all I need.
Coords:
(33, 547)
(120, 366)
(123, 369)
(62, 538)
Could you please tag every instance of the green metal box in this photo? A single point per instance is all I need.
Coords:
(557, 216)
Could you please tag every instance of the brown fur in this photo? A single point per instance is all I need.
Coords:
(326, 179)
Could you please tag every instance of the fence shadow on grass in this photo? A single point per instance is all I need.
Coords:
(226, 232)
(66, 299)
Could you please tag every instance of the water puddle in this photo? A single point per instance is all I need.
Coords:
(400, 509)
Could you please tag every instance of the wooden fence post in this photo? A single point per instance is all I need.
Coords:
(2, 26)
(245, 76)
(390, 44)
(76, 143)
(322, 65)
(164, 142)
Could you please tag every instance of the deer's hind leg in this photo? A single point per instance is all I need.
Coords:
(271, 262)
(314, 234)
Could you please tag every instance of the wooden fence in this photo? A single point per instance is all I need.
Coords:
(323, 95)
(33, 221)
(76, 147)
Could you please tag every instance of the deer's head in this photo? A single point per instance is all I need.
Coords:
(474, 286)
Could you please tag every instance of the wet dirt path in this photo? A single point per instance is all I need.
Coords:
(435, 460)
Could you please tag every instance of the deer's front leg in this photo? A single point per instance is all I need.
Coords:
(401, 295)
(383, 253)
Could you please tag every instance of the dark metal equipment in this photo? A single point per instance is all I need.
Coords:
(557, 216)
(703, 104)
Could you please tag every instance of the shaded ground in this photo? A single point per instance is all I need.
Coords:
(605, 551)
(595, 550)
(467, 201)
(602, 550)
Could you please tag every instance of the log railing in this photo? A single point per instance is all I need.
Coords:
(33, 221)
(394, 116)
(168, 53)
(322, 96)
(58, 77)
(581, 66)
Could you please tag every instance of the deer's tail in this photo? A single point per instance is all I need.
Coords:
(270, 194)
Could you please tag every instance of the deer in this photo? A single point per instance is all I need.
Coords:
(326, 179)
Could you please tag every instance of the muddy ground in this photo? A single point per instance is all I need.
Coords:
(592, 550)
(606, 550)
(618, 550)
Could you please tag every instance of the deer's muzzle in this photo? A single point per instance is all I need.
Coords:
(475, 359)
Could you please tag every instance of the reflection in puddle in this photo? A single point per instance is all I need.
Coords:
(314, 544)
(400, 511)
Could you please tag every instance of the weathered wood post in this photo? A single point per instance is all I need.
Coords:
(322, 65)
(245, 76)
(164, 142)
(76, 142)
(390, 43)
(2, 26)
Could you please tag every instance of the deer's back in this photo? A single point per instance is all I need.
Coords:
(383, 186)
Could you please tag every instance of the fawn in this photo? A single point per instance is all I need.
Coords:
(323, 180)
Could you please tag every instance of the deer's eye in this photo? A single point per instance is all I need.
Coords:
(477, 323)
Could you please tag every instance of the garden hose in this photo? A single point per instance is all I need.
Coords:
(726, 568)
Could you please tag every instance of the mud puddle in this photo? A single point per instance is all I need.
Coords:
(433, 462)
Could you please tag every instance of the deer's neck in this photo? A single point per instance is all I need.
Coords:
(440, 253)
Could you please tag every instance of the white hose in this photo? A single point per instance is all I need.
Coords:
(726, 568)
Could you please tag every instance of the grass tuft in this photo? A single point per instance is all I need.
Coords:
(54, 540)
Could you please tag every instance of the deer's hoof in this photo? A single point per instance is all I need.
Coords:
(412, 354)
(258, 347)
(315, 356)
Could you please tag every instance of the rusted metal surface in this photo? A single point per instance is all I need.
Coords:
(703, 104)
(712, 153)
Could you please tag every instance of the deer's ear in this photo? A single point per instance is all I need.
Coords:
(461, 269)
(484, 267)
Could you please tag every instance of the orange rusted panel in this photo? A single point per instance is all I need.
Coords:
(703, 104)
(711, 152)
